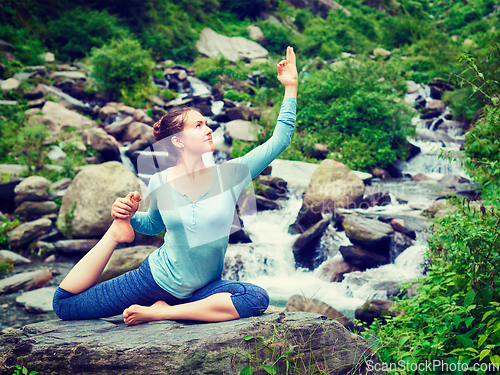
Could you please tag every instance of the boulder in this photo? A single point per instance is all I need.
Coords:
(27, 232)
(298, 302)
(334, 269)
(74, 246)
(400, 226)
(48, 57)
(319, 7)
(10, 84)
(334, 185)
(400, 243)
(375, 309)
(99, 140)
(380, 52)
(7, 194)
(265, 204)
(26, 281)
(243, 112)
(57, 117)
(375, 196)
(372, 234)
(137, 130)
(108, 347)
(255, 33)
(14, 257)
(33, 188)
(437, 206)
(70, 75)
(119, 126)
(85, 209)
(37, 301)
(306, 218)
(125, 260)
(243, 130)
(362, 258)
(36, 209)
(304, 248)
(212, 44)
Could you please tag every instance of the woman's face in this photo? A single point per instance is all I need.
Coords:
(196, 136)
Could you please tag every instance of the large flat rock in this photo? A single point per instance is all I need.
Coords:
(109, 347)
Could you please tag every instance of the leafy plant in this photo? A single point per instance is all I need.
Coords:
(23, 370)
(31, 143)
(6, 265)
(122, 68)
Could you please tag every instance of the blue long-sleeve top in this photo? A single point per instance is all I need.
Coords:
(197, 232)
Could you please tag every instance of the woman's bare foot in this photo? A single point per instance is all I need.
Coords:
(120, 228)
(122, 231)
(137, 314)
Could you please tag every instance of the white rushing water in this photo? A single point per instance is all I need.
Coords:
(269, 263)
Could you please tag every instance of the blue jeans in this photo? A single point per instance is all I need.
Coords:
(138, 286)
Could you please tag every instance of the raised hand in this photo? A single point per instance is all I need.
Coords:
(287, 69)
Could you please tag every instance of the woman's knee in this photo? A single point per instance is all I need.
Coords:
(60, 304)
(252, 302)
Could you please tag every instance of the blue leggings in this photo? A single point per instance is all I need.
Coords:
(138, 286)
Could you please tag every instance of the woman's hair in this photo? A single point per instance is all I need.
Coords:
(170, 124)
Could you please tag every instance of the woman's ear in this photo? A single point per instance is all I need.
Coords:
(177, 142)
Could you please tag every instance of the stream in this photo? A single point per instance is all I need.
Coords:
(268, 261)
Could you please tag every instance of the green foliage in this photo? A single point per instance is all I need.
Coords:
(78, 30)
(23, 370)
(122, 68)
(6, 226)
(354, 110)
(6, 265)
(278, 36)
(31, 144)
(238, 96)
(455, 316)
(482, 145)
(25, 47)
(245, 8)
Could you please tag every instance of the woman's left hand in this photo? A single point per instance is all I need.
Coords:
(287, 69)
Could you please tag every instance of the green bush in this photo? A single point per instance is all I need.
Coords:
(456, 315)
(26, 47)
(32, 147)
(77, 31)
(354, 110)
(244, 8)
(122, 69)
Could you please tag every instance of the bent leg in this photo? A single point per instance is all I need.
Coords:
(112, 296)
(88, 270)
(218, 301)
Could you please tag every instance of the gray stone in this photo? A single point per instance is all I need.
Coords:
(255, 33)
(33, 188)
(304, 248)
(16, 258)
(212, 44)
(61, 184)
(125, 260)
(380, 52)
(27, 208)
(298, 302)
(108, 347)
(85, 209)
(137, 130)
(57, 117)
(48, 57)
(70, 75)
(74, 246)
(333, 185)
(334, 269)
(375, 309)
(370, 233)
(243, 130)
(99, 140)
(10, 84)
(362, 258)
(56, 153)
(8, 102)
(68, 100)
(37, 301)
(27, 232)
(26, 281)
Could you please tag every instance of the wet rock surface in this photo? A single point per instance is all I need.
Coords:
(110, 347)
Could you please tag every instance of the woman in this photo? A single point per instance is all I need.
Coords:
(195, 203)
